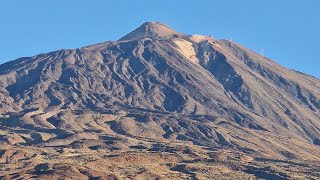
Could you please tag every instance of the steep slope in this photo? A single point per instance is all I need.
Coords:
(158, 86)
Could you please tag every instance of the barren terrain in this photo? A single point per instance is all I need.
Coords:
(157, 104)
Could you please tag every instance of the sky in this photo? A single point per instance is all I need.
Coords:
(287, 31)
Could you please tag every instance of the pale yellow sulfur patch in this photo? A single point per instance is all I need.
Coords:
(186, 48)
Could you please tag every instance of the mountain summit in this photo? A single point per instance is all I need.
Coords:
(153, 30)
(158, 104)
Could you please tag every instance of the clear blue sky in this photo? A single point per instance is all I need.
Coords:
(287, 30)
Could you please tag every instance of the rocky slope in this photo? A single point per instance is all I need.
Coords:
(196, 107)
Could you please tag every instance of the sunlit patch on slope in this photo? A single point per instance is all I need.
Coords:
(199, 38)
(186, 48)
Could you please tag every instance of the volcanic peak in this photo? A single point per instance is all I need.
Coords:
(153, 30)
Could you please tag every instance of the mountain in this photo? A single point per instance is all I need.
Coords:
(158, 104)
